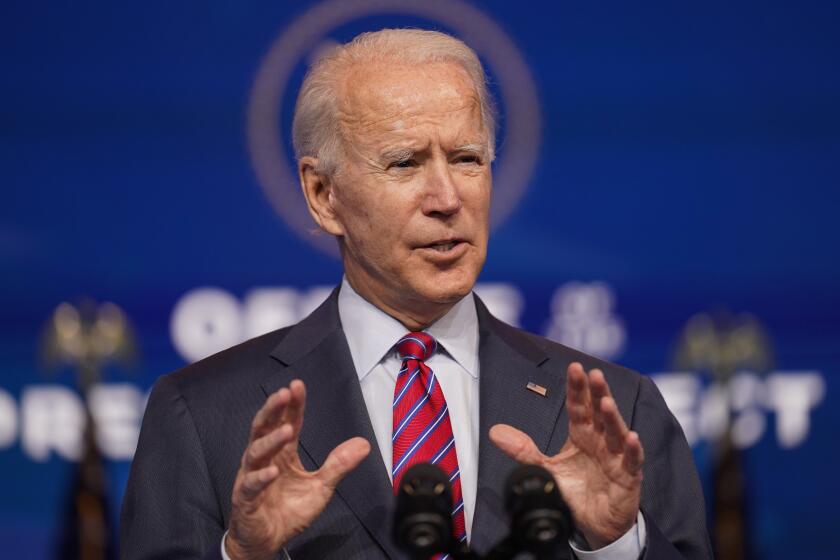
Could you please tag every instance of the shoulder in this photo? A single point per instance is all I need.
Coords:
(638, 399)
(224, 374)
(233, 382)
(628, 387)
(558, 357)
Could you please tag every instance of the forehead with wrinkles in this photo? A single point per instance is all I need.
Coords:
(378, 97)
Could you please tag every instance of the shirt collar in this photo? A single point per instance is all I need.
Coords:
(371, 333)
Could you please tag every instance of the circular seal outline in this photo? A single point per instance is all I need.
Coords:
(515, 164)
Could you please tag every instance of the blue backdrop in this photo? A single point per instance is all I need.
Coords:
(685, 160)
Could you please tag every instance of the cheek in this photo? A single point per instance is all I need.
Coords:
(477, 201)
(374, 226)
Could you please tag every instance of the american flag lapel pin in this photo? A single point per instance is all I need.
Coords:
(538, 389)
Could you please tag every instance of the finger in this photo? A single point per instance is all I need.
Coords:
(516, 444)
(342, 460)
(293, 414)
(615, 430)
(268, 416)
(578, 399)
(254, 482)
(261, 450)
(634, 453)
(598, 389)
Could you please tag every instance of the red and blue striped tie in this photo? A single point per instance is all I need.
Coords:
(422, 431)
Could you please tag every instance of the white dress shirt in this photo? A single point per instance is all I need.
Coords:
(372, 335)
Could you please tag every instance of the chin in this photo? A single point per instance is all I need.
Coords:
(446, 287)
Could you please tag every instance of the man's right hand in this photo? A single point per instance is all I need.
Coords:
(274, 497)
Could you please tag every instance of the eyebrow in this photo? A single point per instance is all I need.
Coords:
(402, 154)
(476, 148)
(397, 154)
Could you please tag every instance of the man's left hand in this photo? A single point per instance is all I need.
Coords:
(599, 469)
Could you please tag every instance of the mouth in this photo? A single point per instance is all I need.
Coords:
(443, 245)
(444, 249)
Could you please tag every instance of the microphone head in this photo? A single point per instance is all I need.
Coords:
(423, 517)
(540, 518)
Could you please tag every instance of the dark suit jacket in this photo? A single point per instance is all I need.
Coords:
(196, 426)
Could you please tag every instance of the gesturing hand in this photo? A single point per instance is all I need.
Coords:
(274, 497)
(599, 469)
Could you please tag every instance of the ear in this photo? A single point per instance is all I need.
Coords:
(317, 190)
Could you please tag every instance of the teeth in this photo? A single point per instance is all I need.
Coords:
(442, 247)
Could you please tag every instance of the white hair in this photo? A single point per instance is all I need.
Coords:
(315, 128)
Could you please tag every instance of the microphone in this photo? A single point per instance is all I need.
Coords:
(423, 517)
(540, 518)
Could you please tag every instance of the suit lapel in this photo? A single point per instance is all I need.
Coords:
(509, 361)
(316, 352)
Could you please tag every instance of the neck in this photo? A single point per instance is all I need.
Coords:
(413, 315)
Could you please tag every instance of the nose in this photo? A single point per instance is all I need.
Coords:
(442, 197)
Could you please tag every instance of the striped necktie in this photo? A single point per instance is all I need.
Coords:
(422, 431)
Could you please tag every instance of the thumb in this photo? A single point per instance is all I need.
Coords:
(516, 444)
(342, 460)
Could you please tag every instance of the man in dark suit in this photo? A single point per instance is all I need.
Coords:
(394, 136)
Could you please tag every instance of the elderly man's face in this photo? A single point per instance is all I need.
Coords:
(412, 196)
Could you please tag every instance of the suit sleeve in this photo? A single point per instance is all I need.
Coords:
(672, 498)
(170, 508)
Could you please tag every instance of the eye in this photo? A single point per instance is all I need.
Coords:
(468, 158)
(403, 164)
